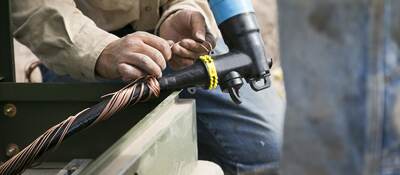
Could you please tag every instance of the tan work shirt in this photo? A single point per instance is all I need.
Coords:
(68, 36)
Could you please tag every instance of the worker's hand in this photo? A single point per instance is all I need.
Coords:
(189, 32)
(134, 56)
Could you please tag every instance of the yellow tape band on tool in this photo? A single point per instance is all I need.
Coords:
(212, 71)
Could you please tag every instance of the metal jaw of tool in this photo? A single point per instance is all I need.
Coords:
(231, 84)
(233, 81)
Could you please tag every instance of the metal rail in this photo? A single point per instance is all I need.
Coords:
(7, 73)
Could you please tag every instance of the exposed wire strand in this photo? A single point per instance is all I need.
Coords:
(29, 70)
(119, 100)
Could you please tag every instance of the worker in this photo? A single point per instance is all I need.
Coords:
(94, 40)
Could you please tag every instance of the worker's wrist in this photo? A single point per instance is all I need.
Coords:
(163, 19)
(98, 50)
(173, 10)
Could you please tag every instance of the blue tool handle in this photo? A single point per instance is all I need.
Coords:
(225, 9)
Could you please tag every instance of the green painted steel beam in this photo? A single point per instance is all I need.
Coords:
(40, 106)
(55, 91)
(7, 73)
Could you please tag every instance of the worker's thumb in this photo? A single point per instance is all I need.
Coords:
(199, 27)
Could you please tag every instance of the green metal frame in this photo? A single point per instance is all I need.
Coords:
(41, 105)
(6, 50)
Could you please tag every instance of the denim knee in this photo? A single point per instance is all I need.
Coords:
(241, 138)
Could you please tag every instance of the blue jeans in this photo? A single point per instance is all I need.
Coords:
(243, 139)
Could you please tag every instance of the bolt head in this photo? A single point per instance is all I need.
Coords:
(10, 110)
(12, 150)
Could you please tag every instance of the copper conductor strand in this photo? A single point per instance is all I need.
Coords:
(119, 100)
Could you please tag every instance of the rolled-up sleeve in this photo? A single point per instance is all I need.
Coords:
(196, 5)
(62, 37)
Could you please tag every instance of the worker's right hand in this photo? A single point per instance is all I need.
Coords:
(133, 56)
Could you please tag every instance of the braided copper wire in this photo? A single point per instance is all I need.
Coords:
(207, 49)
(30, 69)
(204, 45)
(119, 100)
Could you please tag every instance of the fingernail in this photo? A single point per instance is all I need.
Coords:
(200, 36)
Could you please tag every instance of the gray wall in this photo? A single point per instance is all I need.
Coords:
(340, 61)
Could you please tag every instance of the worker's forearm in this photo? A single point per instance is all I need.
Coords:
(60, 35)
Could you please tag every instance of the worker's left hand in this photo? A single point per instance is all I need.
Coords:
(188, 30)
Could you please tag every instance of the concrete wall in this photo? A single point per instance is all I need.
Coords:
(341, 65)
